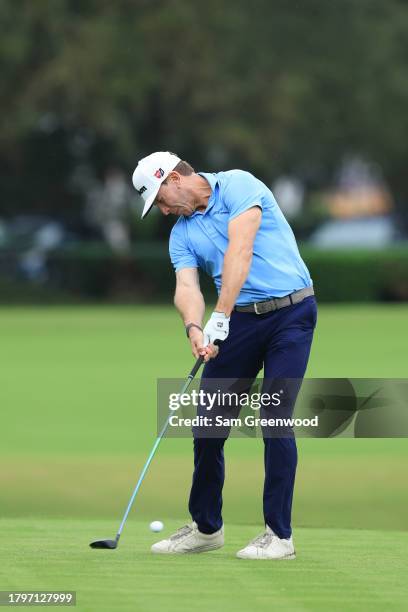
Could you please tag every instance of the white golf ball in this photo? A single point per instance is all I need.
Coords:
(156, 526)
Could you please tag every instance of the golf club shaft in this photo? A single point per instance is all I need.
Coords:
(192, 374)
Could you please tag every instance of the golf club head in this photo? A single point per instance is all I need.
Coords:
(104, 544)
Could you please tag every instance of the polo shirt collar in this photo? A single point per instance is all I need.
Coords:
(213, 181)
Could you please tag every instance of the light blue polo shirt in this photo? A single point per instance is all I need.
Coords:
(200, 241)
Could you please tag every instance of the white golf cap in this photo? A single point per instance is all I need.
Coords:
(150, 172)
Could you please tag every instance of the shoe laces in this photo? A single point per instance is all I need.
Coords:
(182, 532)
(263, 540)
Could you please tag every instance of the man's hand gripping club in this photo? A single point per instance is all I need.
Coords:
(206, 342)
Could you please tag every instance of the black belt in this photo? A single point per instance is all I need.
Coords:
(277, 303)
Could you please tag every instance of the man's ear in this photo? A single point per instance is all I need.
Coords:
(173, 177)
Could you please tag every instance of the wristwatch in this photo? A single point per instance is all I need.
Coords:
(189, 326)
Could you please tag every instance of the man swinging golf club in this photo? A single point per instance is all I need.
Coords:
(230, 226)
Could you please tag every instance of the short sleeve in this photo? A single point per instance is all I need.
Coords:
(242, 192)
(180, 254)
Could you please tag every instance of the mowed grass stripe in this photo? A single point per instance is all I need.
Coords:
(83, 380)
(355, 493)
(335, 569)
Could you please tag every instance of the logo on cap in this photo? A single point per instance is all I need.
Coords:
(141, 190)
(159, 173)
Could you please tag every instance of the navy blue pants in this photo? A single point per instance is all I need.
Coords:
(280, 342)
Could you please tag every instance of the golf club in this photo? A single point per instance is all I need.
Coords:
(114, 543)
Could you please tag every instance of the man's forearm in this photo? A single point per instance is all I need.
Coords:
(190, 304)
(237, 261)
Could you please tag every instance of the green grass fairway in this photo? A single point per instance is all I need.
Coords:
(78, 418)
(336, 569)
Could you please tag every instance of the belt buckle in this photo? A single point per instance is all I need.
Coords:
(262, 309)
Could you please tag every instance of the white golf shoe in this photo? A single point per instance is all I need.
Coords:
(188, 539)
(268, 546)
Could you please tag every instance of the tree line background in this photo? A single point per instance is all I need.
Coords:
(271, 86)
(276, 87)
